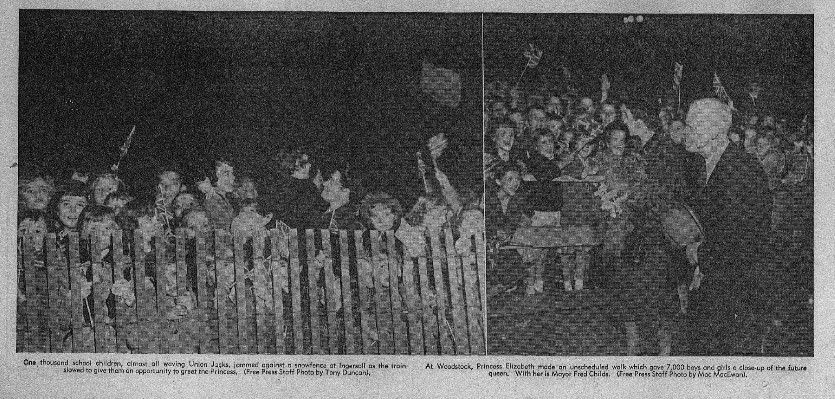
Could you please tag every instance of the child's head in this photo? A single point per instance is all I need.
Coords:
(248, 218)
(196, 221)
(184, 202)
(99, 221)
(380, 211)
(117, 201)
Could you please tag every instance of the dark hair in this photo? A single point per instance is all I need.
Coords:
(616, 125)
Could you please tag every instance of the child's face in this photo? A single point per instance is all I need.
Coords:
(183, 204)
(69, 209)
(35, 228)
(382, 217)
(100, 228)
(169, 186)
(435, 217)
(149, 225)
(196, 222)
(36, 194)
(225, 177)
(104, 186)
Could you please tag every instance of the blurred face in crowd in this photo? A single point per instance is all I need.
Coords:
(169, 186)
(510, 182)
(709, 121)
(554, 126)
(382, 217)
(435, 216)
(35, 228)
(504, 137)
(768, 121)
(587, 105)
(750, 141)
(36, 194)
(517, 118)
(608, 114)
(677, 131)
(102, 226)
(585, 145)
(535, 118)
(104, 186)
(117, 202)
(225, 174)
(565, 140)
(545, 146)
(184, 203)
(617, 142)
(554, 107)
(247, 189)
(196, 222)
(69, 210)
(752, 120)
(333, 190)
(301, 167)
(763, 145)
(733, 136)
(499, 110)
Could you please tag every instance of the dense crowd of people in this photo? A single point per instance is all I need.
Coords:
(690, 182)
(316, 193)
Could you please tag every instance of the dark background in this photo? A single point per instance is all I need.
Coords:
(239, 86)
(775, 50)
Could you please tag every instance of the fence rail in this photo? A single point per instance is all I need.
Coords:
(303, 292)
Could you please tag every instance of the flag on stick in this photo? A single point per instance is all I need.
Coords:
(721, 93)
(123, 150)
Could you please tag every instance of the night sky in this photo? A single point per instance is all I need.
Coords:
(776, 50)
(239, 86)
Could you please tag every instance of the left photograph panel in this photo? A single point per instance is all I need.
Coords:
(248, 182)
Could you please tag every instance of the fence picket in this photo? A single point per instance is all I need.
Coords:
(278, 267)
(82, 332)
(456, 281)
(347, 305)
(313, 293)
(430, 322)
(383, 299)
(165, 301)
(59, 295)
(414, 310)
(263, 291)
(105, 333)
(333, 298)
(205, 334)
(444, 328)
(125, 305)
(225, 271)
(401, 341)
(295, 281)
(244, 339)
(368, 316)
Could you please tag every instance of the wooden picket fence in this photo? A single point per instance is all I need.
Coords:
(351, 292)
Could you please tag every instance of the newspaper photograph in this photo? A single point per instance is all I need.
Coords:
(391, 200)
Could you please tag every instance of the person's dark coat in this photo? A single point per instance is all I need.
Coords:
(545, 194)
(303, 205)
(733, 303)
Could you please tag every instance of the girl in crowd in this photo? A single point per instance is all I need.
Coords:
(219, 197)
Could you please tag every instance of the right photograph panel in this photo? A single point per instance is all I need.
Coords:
(649, 184)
